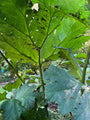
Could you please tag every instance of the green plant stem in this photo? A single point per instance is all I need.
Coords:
(43, 88)
(41, 76)
(84, 69)
(42, 83)
(84, 73)
(11, 67)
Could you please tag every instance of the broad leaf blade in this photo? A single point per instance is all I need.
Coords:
(62, 89)
(12, 109)
(64, 35)
(13, 28)
(82, 111)
(74, 8)
(25, 32)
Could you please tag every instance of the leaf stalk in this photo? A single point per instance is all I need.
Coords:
(41, 76)
(85, 65)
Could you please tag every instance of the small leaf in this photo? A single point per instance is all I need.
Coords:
(25, 94)
(14, 85)
(3, 96)
(88, 82)
(81, 55)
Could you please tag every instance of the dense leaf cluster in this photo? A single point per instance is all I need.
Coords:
(40, 31)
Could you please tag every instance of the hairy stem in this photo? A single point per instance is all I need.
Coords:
(84, 70)
(42, 83)
(41, 76)
(85, 66)
(11, 66)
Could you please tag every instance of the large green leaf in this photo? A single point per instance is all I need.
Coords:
(67, 95)
(64, 35)
(74, 8)
(82, 111)
(62, 89)
(26, 33)
(14, 31)
(12, 109)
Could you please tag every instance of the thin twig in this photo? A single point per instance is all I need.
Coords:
(12, 67)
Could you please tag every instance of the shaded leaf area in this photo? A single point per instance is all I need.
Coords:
(14, 85)
(23, 105)
(23, 100)
(12, 109)
(62, 88)
(82, 111)
(25, 31)
(75, 8)
(35, 114)
(68, 55)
